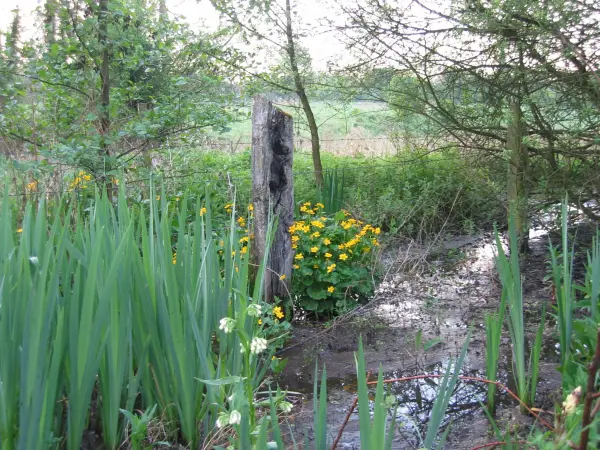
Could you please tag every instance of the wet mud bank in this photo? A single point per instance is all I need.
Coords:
(451, 290)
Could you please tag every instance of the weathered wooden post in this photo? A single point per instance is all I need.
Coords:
(273, 192)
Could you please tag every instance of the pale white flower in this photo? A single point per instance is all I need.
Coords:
(227, 324)
(286, 407)
(235, 417)
(570, 404)
(254, 310)
(222, 420)
(258, 345)
(242, 348)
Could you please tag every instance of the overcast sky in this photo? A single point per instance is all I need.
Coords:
(322, 47)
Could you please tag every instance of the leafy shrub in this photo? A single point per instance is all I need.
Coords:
(332, 264)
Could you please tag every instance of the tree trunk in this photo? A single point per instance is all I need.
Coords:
(310, 117)
(517, 174)
(104, 76)
(273, 193)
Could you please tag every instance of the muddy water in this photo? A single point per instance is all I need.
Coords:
(452, 290)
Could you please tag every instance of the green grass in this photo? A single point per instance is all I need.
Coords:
(335, 121)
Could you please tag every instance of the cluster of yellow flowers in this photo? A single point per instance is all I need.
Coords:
(312, 239)
(80, 181)
(31, 186)
(307, 208)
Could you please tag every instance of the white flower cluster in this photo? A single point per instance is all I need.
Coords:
(232, 418)
(258, 345)
(286, 407)
(227, 324)
(254, 310)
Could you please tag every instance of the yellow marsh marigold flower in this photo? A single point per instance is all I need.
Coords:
(315, 235)
(250, 207)
(307, 204)
(320, 205)
(377, 230)
(278, 312)
(295, 238)
(343, 257)
(244, 239)
(299, 256)
(175, 258)
(20, 230)
(294, 246)
(259, 321)
(331, 268)
(330, 289)
(282, 277)
(375, 242)
(157, 197)
(314, 249)
(241, 221)
(31, 187)
(317, 224)
(243, 250)
(326, 241)
(233, 253)
(328, 255)
(303, 209)
(296, 266)
(310, 212)
(202, 211)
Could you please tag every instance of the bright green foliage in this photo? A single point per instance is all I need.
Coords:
(493, 335)
(562, 277)
(510, 276)
(96, 298)
(373, 433)
(165, 81)
(333, 260)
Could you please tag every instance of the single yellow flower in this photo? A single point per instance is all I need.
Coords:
(278, 312)
(175, 258)
(330, 289)
(20, 230)
(243, 250)
(233, 253)
(250, 207)
(295, 238)
(299, 256)
(375, 242)
(317, 224)
(328, 255)
(315, 235)
(330, 268)
(320, 205)
(282, 277)
(296, 266)
(377, 230)
(343, 257)
(157, 197)
(314, 249)
(202, 211)
(326, 241)
(259, 321)
(294, 246)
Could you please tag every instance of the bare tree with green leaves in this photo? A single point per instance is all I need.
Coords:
(273, 22)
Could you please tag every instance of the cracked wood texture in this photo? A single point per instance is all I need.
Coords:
(273, 192)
